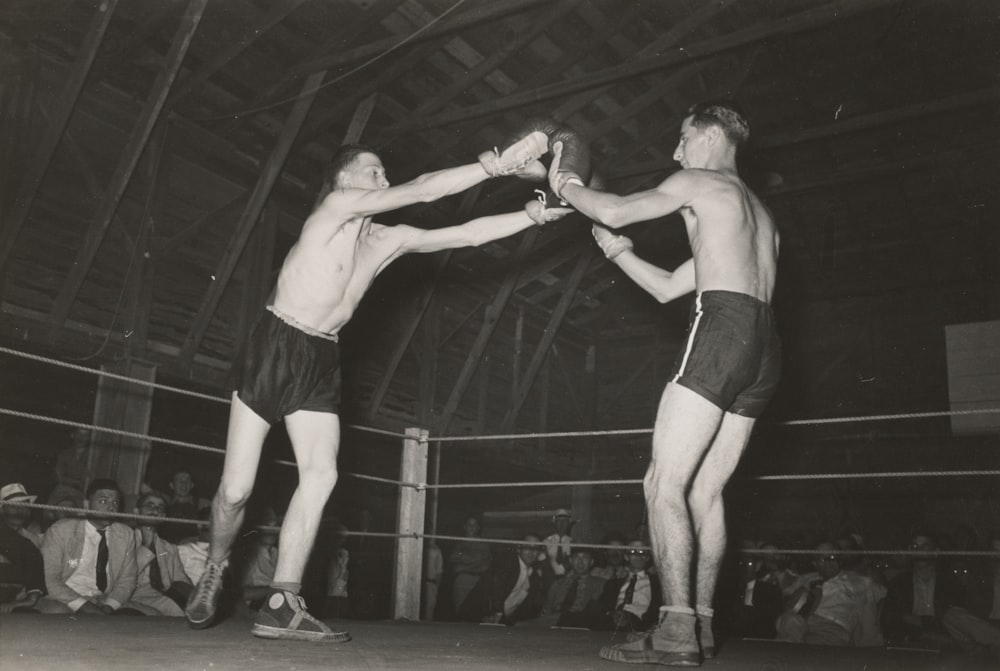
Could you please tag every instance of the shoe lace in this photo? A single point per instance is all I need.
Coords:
(207, 585)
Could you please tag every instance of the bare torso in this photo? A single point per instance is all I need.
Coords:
(733, 237)
(330, 267)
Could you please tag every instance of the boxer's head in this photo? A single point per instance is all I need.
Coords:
(725, 114)
(357, 166)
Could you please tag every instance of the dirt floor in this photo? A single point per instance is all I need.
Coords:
(57, 643)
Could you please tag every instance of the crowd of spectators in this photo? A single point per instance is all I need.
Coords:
(831, 592)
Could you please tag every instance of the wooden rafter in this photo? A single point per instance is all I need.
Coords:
(801, 21)
(548, 337)
(42, 157)
(491, 320)
(251, 33)
(126, 165)
(262, 190)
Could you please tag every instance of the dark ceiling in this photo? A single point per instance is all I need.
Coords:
(161, 156)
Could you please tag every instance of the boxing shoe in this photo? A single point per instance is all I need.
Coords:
(673, 642)
(204, 600)
(284, 616)
(518, 157)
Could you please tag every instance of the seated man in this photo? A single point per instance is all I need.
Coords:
(918, 599)
(829, 608)
(574, 600)
(634, 602)
(22, 578)
(512, 591)
(162, 587)
(90, 565)
(755, 603)
(182, 504)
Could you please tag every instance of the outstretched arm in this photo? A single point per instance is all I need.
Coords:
(475, 232)
(616, 211)
(353, 203)
(661, 284)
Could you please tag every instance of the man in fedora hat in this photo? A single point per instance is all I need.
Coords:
(22, 576)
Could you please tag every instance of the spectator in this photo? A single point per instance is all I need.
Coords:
(512, 591)
(610, 563)
(71, 464)
(634, 601)
(919, 597)
(18, 518)
(469, 560)
(90, 565)
(182, 503)
(756, 600)
(778, 569)
(574, 600)
(557, 544)
(259, 569)
(833, 606)
(193, 551)
(337, 575)
(162, 586)
(975, 623)
(22, 577)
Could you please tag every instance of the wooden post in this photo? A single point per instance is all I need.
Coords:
(410, 548)
(126, 406)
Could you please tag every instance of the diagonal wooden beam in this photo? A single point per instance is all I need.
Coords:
(254, 31)
(548, 337)
(42, 157)
(491, 320)
(423, 303)
(126, 164)
(474, 16)
(359, 121)
(261, 192)
(788, 25)
(347, 35)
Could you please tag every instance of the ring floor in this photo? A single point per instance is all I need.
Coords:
(58, 643)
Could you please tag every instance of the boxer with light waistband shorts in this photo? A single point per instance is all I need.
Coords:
(723, 377)
(291, 370)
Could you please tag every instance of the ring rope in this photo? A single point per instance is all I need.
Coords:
(165, 387)
(116, 376)
(180, 443)
(85, 512)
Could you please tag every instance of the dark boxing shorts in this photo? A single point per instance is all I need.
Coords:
(732, 353)
(287, 369)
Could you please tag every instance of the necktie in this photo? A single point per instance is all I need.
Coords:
(155, 575)
(570, 598)
(629, 590)
(102, 561)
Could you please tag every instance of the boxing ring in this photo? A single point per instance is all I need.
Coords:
(29, 641)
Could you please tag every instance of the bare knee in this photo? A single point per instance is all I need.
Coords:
(233, 497)
(664, 487)
(319, 478)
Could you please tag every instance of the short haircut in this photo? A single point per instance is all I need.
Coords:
(725, 114)
(342, 160)
(150, 495)
(102, 483)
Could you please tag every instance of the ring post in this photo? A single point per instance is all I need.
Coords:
(409, 544)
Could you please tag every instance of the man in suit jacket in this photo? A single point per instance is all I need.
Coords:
(162, 586)
(514, 589)
(574, 600)
(90, 563)
(919, 597)
(633, 602)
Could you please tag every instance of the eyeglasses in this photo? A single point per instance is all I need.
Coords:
(154, 507)
(640, 553)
